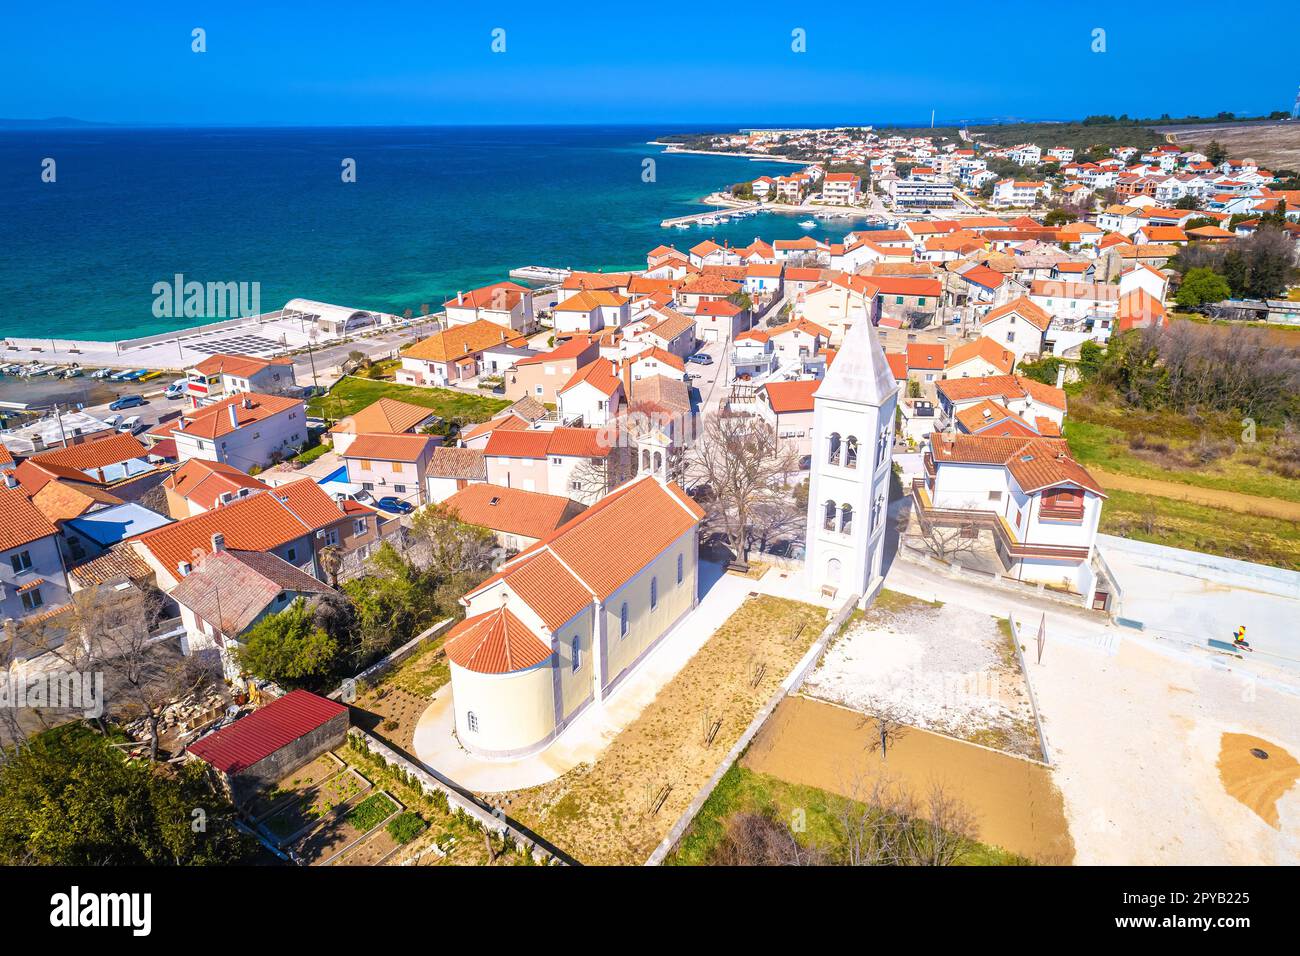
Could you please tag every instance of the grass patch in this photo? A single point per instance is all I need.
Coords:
(741, 790)
(1183, 524)
(1171, 446)
(351, 394)
(312, 453)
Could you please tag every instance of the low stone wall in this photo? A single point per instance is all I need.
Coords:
(957, 572)
(788, 686)
(348, 689)
(1029, 684)
(490, 819)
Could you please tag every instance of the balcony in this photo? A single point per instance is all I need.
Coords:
(1003, 534)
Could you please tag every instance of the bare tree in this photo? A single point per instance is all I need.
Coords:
(888, 726)
(755, 839)
(944, 543)
(745, 466)
(597, 477)
(147, 674)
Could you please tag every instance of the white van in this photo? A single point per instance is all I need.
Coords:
(130, 426)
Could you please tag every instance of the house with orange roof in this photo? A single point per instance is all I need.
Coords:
(788, 408)
(587, 312)
(222, 374)
(545, 460)
(199, 485)
(925, 361)
(798, 339)
(1166, 235)
(1031, 503)
(907, 301)
(387, 416)
(595, 393)
(395, 465)
(979, 358)
(649, 362)
(1043, 406)
(718, 320)
(663, 328)
(247, 430)
(842, 188)
(32, 576)
(541, 376)
(452, 355)
(560, 625)
(1019, 326)
(507, 304)
(518, 518)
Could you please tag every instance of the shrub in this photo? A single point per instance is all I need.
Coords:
(405, 827)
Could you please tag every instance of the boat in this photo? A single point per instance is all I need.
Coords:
(709, 221)
(681, 225)
(808, 224)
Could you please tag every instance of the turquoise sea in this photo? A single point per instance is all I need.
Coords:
(432, 211)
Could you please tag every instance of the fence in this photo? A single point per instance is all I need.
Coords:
(389, 660)
(956, 571)
(1033, 700)
(788, 686)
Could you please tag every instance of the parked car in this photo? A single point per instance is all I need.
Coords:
(112, 421)
(176, 389)
(127, 401)
(394, 505)
(130, 426)
(701, 358)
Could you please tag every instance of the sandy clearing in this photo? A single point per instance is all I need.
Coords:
(1212, 497)
(1016, 804)
(1257, 782)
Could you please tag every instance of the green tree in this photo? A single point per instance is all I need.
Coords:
(69, 799)
(290, 647)
(1215, 152)
(1200, 286)
(1059, 217)
(1188, 202)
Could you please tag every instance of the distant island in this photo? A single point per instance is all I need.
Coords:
(52, 122)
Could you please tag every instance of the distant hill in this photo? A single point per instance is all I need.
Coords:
(53, 122)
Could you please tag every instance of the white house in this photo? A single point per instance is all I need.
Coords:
(506, 304)
(245, 430)
(1018, 327)
(1040, 506)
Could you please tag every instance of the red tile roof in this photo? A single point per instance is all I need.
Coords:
(263, 732)
(390, 447)
(236, 365)
(94, 454)
(20, 522)
(203, 482)
(790, 397)
(495, 642)
(579, 442)
(923, 356)
(512, 510)
(257, 523)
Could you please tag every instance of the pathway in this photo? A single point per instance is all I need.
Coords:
(1212, 497)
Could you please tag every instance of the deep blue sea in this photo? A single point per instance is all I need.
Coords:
(432, 211)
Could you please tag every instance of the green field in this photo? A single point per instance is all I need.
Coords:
(1195, 527)
(351, 395)
(741, 790)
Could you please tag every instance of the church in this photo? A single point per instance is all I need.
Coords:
(848, 492)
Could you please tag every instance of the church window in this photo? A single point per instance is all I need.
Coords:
(833, 456)
(851, 452)
(846, 519)
(828, 519)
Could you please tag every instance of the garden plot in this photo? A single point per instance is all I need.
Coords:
(360, 824)
(934, 666)
(299, 816)
(292, 787)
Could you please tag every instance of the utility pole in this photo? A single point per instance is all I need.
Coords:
(58, 417)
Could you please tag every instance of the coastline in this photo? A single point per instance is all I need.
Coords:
(674, 148)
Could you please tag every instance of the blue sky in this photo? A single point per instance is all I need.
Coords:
(331, 62)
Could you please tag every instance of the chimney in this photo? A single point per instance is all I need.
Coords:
(10, 480)
(233, 409)
(218, 542)
(460, 298)
(1060, 375)
(183, 568)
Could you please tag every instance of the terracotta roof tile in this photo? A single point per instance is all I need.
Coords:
(512, 510)
(495, 642)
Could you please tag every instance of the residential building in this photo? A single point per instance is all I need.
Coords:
(395, 465)
(559, 461)
(452, 355)
(247, 430)
(1038, 505)
(223, 374)
(542, 376)
(387, 416)
(507, 304)
(32, 576)
(518, 518)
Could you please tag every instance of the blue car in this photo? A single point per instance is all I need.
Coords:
(394, 505)
(127, 401)
(701, 358)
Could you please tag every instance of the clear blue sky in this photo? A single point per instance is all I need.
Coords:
(428, 62)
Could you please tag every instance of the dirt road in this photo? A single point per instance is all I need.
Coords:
(1212, 497)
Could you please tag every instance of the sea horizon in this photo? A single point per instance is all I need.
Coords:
(433, 211)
